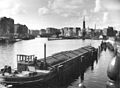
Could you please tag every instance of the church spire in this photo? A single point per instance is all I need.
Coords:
(84, 22)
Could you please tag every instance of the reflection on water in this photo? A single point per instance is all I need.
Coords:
(98, 77)
(93, 75)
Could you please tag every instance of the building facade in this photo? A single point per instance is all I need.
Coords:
(42, 31)
(35, 32)
(21, 30)
(6, 26)
(71, 31)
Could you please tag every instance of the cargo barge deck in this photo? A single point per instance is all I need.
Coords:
(58, 67)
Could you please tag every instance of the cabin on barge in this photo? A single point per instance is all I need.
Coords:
(59, 66)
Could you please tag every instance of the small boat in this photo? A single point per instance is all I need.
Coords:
(31, 70)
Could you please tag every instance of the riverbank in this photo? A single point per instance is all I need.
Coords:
(13, 40)
(71, 38)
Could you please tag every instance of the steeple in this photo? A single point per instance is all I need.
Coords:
(84, 29)
(84, 22)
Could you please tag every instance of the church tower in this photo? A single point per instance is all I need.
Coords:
(84, 23)
(84, 29)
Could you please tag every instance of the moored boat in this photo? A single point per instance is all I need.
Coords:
(31, 70)
(26, 72)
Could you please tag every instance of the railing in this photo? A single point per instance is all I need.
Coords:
(25, 58)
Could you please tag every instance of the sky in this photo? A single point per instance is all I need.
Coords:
(38, 14)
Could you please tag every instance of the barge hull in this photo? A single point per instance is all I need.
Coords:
(62, 65)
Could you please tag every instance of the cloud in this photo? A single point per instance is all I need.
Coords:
(111, 12)
(112, 4)
(10, 8)
(43, 11)
(4, 4)
(66, 4)
(84, 12)
(97, 6)
(105, 17)
(65, 15)
(65, 7)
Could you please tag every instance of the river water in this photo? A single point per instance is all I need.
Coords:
(95, 78)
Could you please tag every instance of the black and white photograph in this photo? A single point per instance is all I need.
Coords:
(59, 43)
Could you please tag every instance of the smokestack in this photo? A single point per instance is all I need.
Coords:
(45, 55)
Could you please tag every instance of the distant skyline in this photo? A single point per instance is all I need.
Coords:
(37, 14)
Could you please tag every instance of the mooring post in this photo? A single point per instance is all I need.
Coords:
(45, 55)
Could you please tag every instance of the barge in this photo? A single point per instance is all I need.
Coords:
(59, 66)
